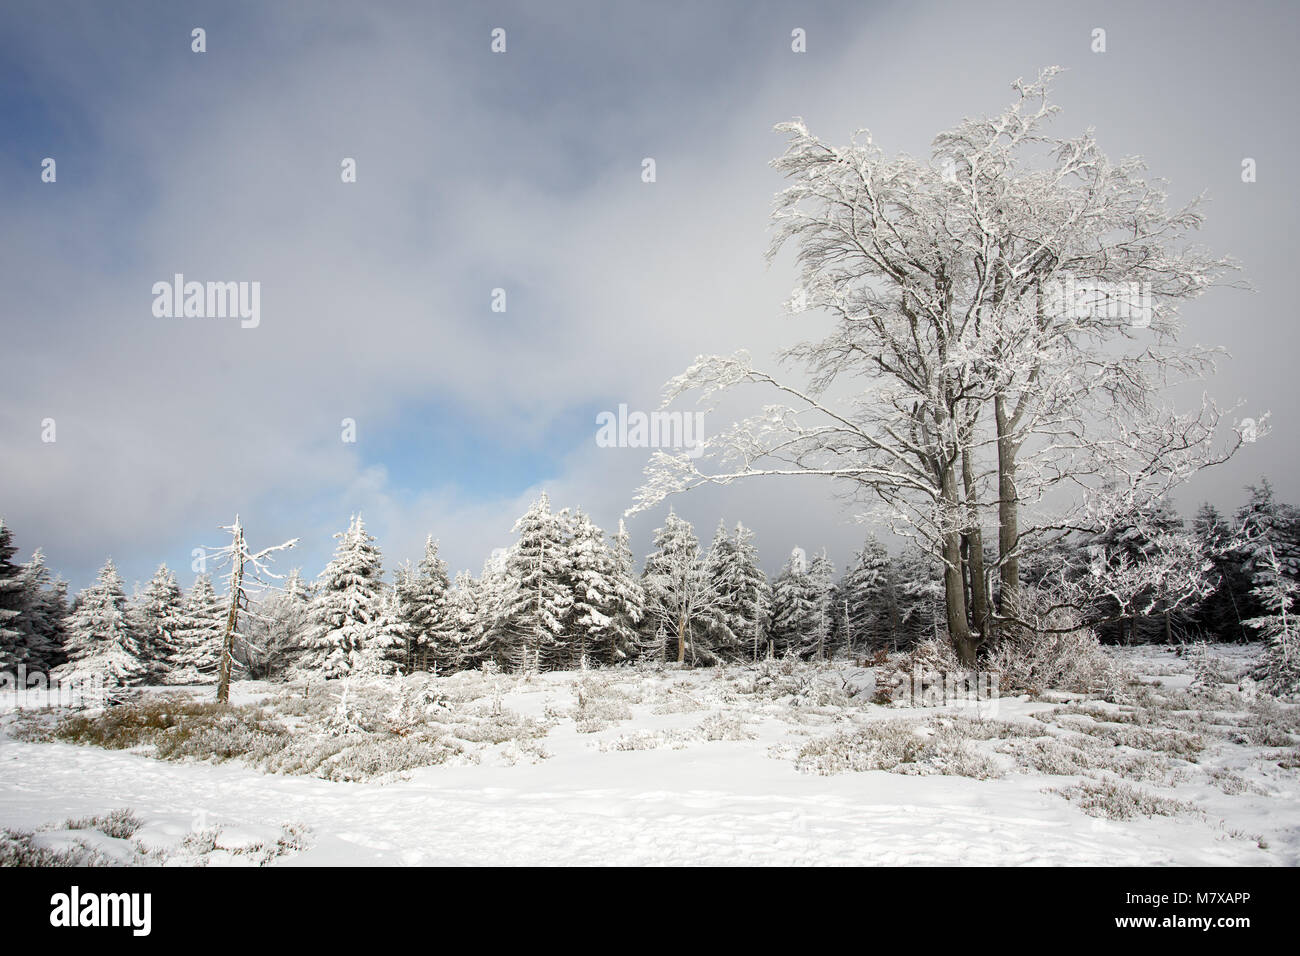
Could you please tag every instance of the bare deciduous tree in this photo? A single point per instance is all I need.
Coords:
(1005, 325)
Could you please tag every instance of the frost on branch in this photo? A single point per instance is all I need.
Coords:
(1005, 323)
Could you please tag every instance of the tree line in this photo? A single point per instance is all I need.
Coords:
(566, 595)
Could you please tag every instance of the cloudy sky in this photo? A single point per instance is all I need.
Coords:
(519, 171)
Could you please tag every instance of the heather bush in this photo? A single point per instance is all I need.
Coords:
(1115, 800)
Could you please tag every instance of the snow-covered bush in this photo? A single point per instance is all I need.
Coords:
(1267, 723)
(923, 675)
(645, 740)
(899, 746)
(381, 757)
(1208, 669)
(1115, 800)
(1081, 756)
(1057, 653)
(790, 680)
(117, 838)
(19, 848)
(119, 824)
(599, 704)
(150, 720)
(719, 726)
(500, 727)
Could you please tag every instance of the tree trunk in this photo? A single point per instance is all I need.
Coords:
(681, 639)
(228, 640)
(955, 602)
(954, 587)
(1008, 511)
(979, 584)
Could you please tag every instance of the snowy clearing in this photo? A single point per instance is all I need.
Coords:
(768, 764)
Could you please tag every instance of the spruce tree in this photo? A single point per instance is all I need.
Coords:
(1145, 615)
(45, 607)
(821, 586)
(920, 596)
(383, 648)
(346, 606)
(1220, 616)
(1275, 591)
(198, 635)
(469, 614)
(794, 606)
(736, 622)
(424, 608)
(159, 616)
(592, 577)
(281, 625)
(1270, 534)
(101, 642)
(627, 600)
(13, 649)
(536, 598)
(870, 593)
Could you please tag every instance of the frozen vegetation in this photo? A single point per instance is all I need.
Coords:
(1172, 758)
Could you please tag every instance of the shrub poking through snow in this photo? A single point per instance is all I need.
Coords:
(599, 705)
(1056, 653)
(1080, 756)
(719, 726)
(111, 840)
(118, 824)
(1114, 800)
(898, 746)
(355, 734)
(1207, 670)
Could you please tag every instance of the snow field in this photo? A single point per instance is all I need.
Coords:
(779, 763)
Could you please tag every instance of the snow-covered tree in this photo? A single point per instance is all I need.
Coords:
(869, 592)
(198, 635)
(1221, 615)
(920, 596)
(627, 600)
(592, 573)
(737, 621)
(45, 606)
(1276, 591)
(281, 624)
(534, 595)
(13, 649)
(1144, 574)
(346, 606)
(101, 642)
(679, 595)
(158, 617)
(470, 616)
(1268, 535)
(959, 388)
(821, 585)
(424, 608)
(383, 649)
(247, 574)
(794, 606)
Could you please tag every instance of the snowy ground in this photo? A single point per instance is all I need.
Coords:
(718, 767)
